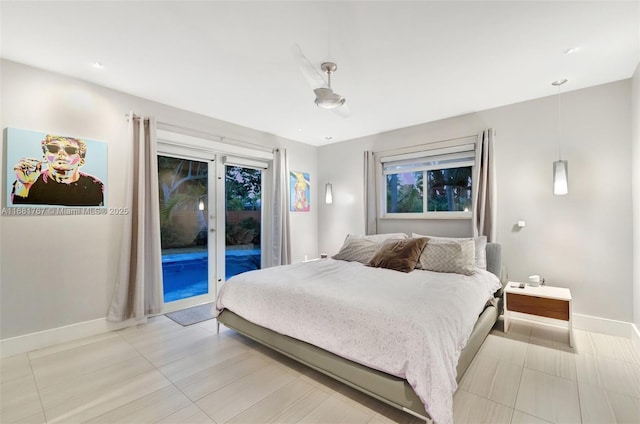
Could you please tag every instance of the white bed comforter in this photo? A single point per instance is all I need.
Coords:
(411, 325)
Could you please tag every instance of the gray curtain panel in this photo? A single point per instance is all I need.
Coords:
(281, 237)
(138, 288)
(370, 209)
(484, 208)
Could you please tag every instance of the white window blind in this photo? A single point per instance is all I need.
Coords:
(426, 160)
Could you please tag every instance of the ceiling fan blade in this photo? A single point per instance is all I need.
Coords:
(343, 111)
(311, 74)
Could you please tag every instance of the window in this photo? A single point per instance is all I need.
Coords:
(429, 183)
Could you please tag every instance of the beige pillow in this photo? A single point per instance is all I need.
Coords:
(442, 255)
(357, 250)
(480, 242)
(399, 255)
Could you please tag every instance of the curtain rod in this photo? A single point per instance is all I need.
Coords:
(397, 149)
(221, 137)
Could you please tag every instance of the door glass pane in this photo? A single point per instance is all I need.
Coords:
(243, 223)
(183, 227)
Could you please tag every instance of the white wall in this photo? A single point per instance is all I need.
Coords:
(635, 184)
(582, 241)
(58, 271)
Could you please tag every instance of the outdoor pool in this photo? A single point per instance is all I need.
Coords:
(185, 274)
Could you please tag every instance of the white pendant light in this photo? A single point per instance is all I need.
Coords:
(560, 167)
(328, 194)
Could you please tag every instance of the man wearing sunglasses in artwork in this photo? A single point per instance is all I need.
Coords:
(57, 179)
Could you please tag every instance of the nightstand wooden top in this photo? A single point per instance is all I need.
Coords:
(549, 292)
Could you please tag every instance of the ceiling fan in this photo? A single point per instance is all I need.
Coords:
(326, 98)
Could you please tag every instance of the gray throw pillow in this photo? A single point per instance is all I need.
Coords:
(357, 250)
(455, 256)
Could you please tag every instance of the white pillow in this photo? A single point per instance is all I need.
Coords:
(480, 248)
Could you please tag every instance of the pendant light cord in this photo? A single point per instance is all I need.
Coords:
(559, 127)
(558, 84)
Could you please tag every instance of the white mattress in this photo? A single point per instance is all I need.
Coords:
(411, 325)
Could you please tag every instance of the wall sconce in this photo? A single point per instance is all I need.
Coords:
(560, 167)
(328, 194)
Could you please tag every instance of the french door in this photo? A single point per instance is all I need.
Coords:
(187, 228)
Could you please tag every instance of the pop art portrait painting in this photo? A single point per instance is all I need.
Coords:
(300, 191)
(47, 169)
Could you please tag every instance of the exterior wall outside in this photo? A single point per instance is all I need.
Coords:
(60, 271)
(581, 241)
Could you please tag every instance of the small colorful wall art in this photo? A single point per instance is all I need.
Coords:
(300, 191)
(48, 169)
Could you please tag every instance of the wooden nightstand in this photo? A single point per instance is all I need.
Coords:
(542, 301)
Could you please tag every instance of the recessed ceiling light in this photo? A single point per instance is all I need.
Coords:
(328, 138)
(300, 129)
(98, 65)
(571, 50)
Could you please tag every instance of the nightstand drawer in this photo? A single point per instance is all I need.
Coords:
(544, 307)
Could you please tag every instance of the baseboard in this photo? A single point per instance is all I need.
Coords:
(605, 325)
(54, 336)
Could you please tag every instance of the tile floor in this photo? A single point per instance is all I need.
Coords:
(162, 372)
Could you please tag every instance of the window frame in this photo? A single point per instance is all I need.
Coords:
(447, 147)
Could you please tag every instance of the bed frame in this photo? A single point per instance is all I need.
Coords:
(387, 388)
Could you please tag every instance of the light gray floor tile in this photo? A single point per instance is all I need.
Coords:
(550, 335)
(617, 376)
(236, 397)
(548, 397)
(522, 418)
(613, 347)
(91, 405)
(493, 379)
(153, 407)
(20, 399)
(14, 367)
(60, 366)
(336, 410)
(470, 408)
(552, 361)
(190, 414)
(505, 349)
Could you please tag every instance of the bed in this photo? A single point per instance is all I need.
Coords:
(306, 311)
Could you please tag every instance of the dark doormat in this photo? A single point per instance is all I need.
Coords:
(192, 315)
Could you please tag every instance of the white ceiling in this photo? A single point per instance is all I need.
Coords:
(399, 63)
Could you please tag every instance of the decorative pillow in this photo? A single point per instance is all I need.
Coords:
(480, 242)
(455, 256)
(379, 238)
(399, 255)
(357, 250)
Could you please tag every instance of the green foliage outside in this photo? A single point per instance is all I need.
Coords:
(243, 191)
(182, 183)
(447, 190)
